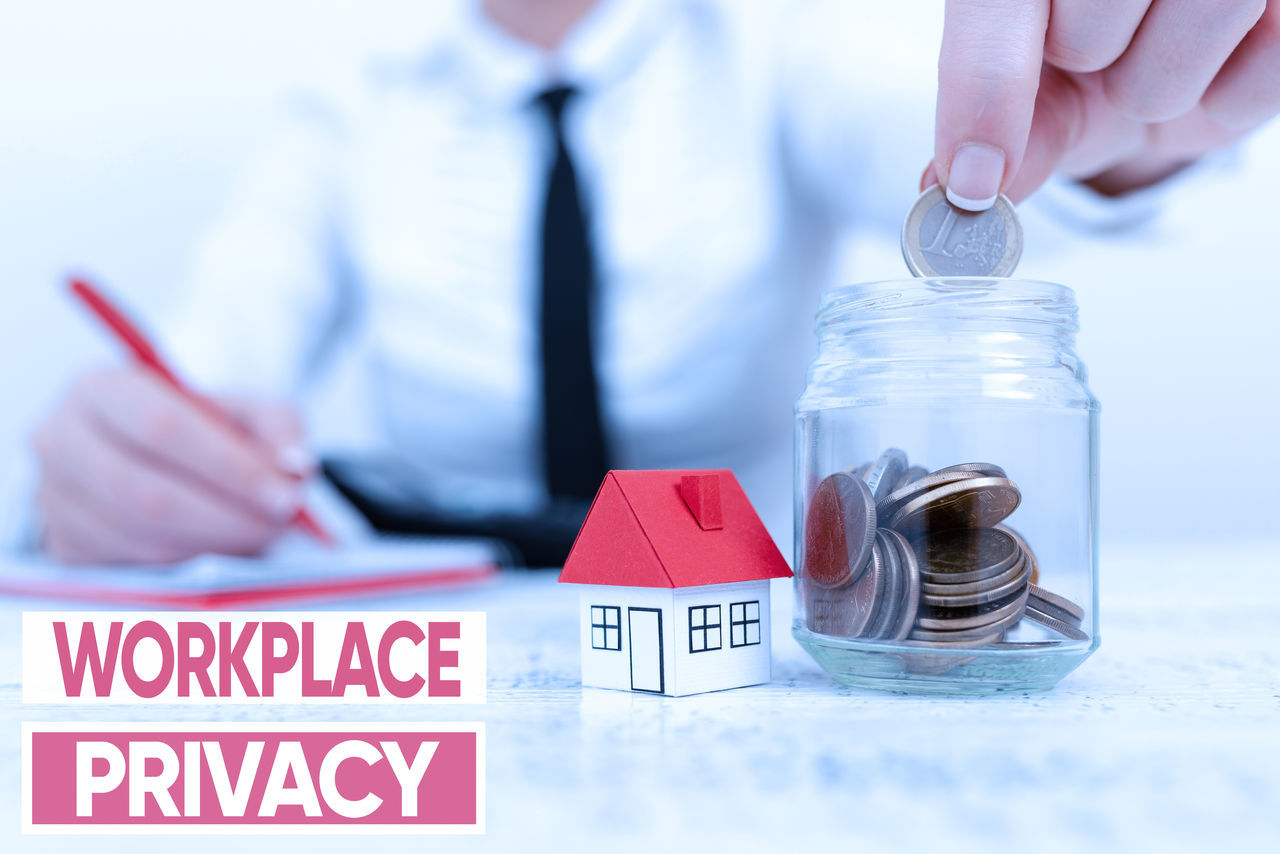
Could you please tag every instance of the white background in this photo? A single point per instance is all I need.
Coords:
(121, 125)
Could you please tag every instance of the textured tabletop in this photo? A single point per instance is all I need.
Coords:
(1169, 735)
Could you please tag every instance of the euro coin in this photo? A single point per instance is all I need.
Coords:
(940, 239)
(839, 530)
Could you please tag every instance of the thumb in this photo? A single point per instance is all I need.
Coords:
(278, 427)
(988, 76)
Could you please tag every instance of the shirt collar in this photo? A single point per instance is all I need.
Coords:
(496, 67)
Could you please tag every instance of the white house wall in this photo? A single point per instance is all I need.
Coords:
(612, 668)
(727, 667)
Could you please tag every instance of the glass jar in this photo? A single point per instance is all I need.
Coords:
(946, 488)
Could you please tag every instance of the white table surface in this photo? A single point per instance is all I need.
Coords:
(1168, 736)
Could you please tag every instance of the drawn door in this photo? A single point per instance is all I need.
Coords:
(644, 637)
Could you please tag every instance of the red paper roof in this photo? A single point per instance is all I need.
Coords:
(642, 532)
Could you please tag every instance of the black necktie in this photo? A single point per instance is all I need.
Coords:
(573, 441)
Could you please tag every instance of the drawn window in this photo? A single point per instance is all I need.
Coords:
(605, 623)
(704, 628)
(744, 623)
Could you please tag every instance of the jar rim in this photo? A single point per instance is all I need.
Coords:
(969, 293)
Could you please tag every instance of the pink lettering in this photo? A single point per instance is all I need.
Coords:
(273, 664)
(190, 664)
(101, 668)
(355, 663)
(399, 687)
(439, 658)
(138, 633)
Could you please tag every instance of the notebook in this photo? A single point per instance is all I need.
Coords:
(215, 581)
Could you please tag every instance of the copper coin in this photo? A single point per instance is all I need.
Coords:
(838, 531)
(1026, 549)
(944, 587)
(889, 603)
(918, 487)
(847, 611)
(979, 502)
(910, 601)
(1055, 606)
(1063, 628)
(954, 598)
(983, 469)
(911, 475)
(952, 635)
(970, 616)
(972, 643)
(884, 474)
(859, 471)
(965, 555)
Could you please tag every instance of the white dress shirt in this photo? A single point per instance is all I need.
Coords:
(721, 147)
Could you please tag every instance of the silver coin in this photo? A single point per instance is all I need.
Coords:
(910, 476)
(965, 555)
(1026, 549)
(910, 601)
(984, 469)
(970, 617)
(859, 471)
(888, 604)
(979, 502)
(885, 473)
(939, 239)
(1065, 629)
(1055, 606)
(839, 529)
(888, 505)
(954, 599)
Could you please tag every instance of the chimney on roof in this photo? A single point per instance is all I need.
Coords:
(702, 493)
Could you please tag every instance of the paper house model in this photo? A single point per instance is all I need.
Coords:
(674, 568)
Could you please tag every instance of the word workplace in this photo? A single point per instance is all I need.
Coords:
(298, 657)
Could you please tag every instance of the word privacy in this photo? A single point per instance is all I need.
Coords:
(410, 777)
(177, 657)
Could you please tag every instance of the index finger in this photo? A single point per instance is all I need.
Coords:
(988, 76)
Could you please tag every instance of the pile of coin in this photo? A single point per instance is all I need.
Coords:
(894, 552)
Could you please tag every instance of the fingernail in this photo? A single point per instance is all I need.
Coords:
(280, 501)
(976, 173)
(296, 459)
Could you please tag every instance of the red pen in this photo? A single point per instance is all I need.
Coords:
(146, 355)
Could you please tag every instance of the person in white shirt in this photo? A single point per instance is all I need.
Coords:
(683, 165)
